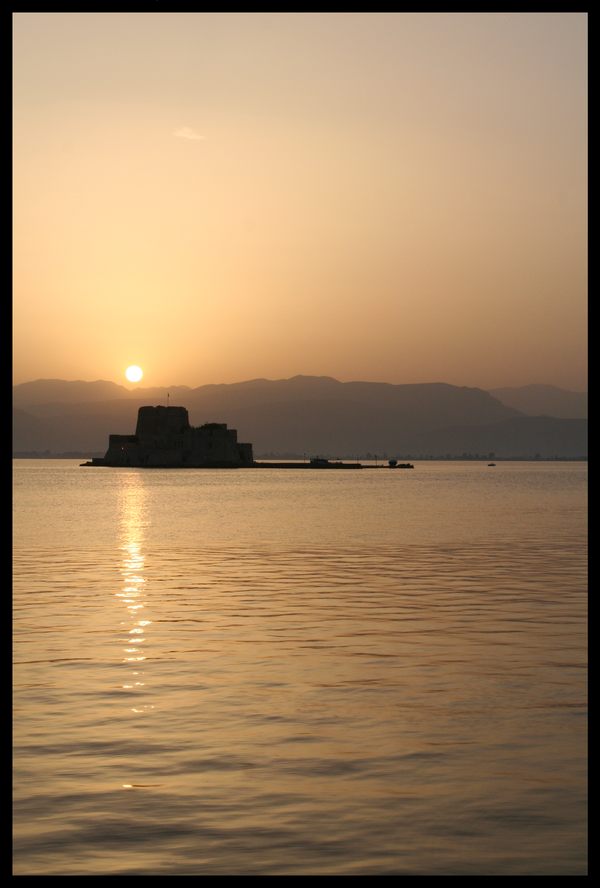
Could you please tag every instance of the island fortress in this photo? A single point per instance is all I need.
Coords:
(164, 438)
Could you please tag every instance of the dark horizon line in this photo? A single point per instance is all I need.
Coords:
(87, 454)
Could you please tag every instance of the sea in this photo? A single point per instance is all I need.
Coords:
(261, 671)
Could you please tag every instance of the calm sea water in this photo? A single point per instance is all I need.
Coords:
(263, 671)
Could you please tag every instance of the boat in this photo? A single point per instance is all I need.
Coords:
(319, 462)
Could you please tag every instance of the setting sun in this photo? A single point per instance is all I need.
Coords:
(133, 374)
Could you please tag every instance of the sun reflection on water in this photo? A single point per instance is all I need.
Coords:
(133, 518)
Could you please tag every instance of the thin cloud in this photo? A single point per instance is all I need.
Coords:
(186, 133)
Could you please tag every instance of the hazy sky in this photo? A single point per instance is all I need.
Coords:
(397, 198)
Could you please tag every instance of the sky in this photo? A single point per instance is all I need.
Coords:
(219, 197)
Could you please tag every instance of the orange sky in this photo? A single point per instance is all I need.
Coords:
(397, 198)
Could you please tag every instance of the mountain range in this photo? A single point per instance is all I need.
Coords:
(308, 414)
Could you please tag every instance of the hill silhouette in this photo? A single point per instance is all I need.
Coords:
(304, 414)
(519, 436)
(544, 400)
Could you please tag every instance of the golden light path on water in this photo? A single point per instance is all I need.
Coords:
(133, 519)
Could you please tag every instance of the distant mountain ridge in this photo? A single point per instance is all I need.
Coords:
(544, 400)
(77, 391)
(302, 414)
(45, 397)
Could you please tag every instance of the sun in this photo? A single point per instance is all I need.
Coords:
(133, 374)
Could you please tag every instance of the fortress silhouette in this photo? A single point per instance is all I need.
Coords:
(164, 438)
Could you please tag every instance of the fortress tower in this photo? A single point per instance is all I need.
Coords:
(164, 438)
